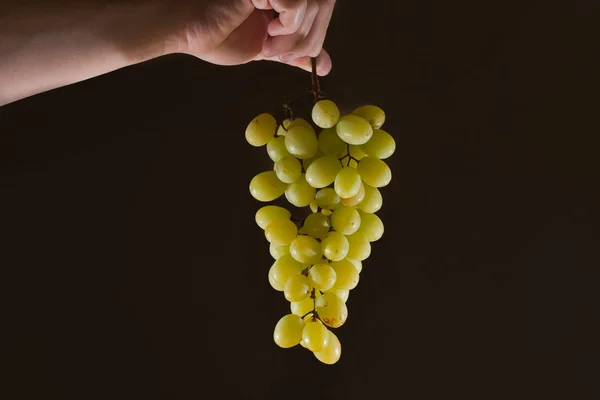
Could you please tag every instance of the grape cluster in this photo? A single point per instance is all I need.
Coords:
(334, 175)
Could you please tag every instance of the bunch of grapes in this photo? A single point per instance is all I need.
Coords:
(332, 170)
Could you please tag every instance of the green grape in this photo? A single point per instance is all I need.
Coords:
(325, 114)
(303, 307)
(266, 186)
(372, 201)
(261, 129)
(288, 331)
(357, 264)
(281, 232)
(356, 199)
(283, 269)
(278, 251)
(322, 276)
(297, 288)
(299, 122)
(306, 163)
(356, 151)
(282, 129)
(341, 293)
(330, 143)
(345, 220)
(275, 284)
(347, 182)
(327, 198)
(267, 214)
(288, 169)
(322, 172)
(326, 212)
(306, 250)
(316, 225)
(276, 148)
(332, 352)
(313, 206)
(359, 247)
(353, 129)
(335, 246)
(301, 141)
(332, 310)
(347, 275)
(373, 114)
(300, 193)
(371, 226)
(374, 172)
(352, 164)
(381, 145)
(315, 336)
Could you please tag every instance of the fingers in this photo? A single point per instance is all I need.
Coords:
(285, 44)
(323, 62)
(291, 16)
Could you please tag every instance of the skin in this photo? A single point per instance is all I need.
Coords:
(44, 45)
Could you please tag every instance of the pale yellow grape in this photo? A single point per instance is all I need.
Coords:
(327, 198)
(381, 145)
(371, 226)
(325, 114)
(356, 263)
(356, 199)
(301, 231)
(326, 212)
(356, 151)
(282, 129)
(307, 319)
(322, 276)
(300, 193)
(347, 275)
(275, 284)
(306, 163)
(276, 148)
(352, 163)
(297, 288)
(299, 122)
(313, 206)
(332, 352)
(316, 225)
(347, 182)
(281, 232)
(315, 336)
(359, 247)
(278, 251)
(353, 129)
(267, 214)
(303, 307)
(288, 331)
(266, 186)
(372, 201)
(335, 246)
(374, 172)
(261, 129)
(341, 293)
(332, 310)
(322, 172)
(283, 269)
(373, 114)
(301, 141)
(345, 220)
(306, 250)
(330, 143)
(288, 169)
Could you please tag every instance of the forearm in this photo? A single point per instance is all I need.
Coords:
(45, 45)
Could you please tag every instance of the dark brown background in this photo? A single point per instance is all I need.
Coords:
(134, 269)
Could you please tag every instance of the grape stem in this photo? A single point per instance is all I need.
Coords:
(316, 87)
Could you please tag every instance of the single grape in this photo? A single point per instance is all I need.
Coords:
(288, 169)
(301, 141)
(357, 264)
(322, 276)
(345, 220)
(322, 172)
(297, 288)
(266, 186)
(330, 143)
(373, 114)
(335, 246)
(267, 214)
(325, 114)
(374, 172)
(276, 148)
(332, 352)
(359, 247)
(356, 151)
(315, 336)
(356, 199)
(299, 122)
(303, 307)
(347, 182)
(300, 193)
(332, 310)
(371, 226)
(288, 331)
(313, 206)
(372, 201)
(381, 145)
(281, 232)
(306, 250)
(282, 129)
(306, 163)
(353, 129)
(283, 269)
(278, 251)
(261, 129)
(316, 225)
(341, 293)
(347, 275)
(275, 284)
(327, 198)
(326, 212)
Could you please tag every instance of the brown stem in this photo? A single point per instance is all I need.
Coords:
(316, 87)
